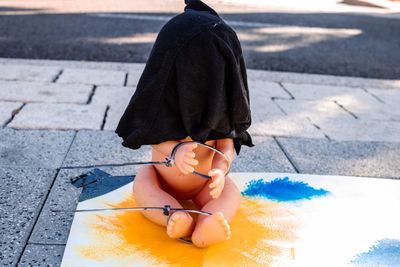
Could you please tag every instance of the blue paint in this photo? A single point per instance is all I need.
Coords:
(282, 190)
(385, 252)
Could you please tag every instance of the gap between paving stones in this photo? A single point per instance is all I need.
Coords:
(44, 92)
(22, 191)
(92, 76)
(286, 155)
(374, 96)
(357, 102)
(57, 76)
(28, 73)
(36, 217)
(273, 76)
(126, 79)
(346, 110)
(53, 227)
(91, 95)
(286, 114)
(286, 90)
(347, 119)
(69, 148)
(42, 255)
(40, 199)
(42, 203)
(105, 118)
(13, 114)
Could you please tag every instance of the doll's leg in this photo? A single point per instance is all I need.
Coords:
(148, 193)
(215, 228)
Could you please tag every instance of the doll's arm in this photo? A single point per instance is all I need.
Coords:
(220, 166)
(184, 157)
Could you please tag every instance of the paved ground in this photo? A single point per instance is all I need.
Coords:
(57, 113)
(351, 40)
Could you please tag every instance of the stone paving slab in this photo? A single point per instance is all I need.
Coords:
(113, 117)
(22, 193)
(272, 76)
(391, 99)
(305, 78)
(340, 125)
(59, 117)
(114, 96)
(53, 226)
(263, 107)
(134, 75)
(321, 92)
(44, 92)
(316, 110)
(28, 73)
(367, 107)
(102, 147)
(90, 76)
(267, 89)
(34, 148)
(7, 110)
(268, 119)
(74, 64)
(42, 255)
(388, 96)
(361, 130)
(320, 156)
(285, 126)
(265, 156)
(9, 253)
(117, 98)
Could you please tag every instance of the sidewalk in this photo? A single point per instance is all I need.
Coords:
(57, 113)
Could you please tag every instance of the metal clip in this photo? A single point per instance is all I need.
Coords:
(167, 210)
(169, 162)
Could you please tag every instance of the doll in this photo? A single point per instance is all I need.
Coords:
(193, 88)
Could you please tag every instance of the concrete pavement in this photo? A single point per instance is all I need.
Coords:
(56, 113)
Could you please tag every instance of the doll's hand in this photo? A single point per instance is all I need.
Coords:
(218, 182)
(184, 158)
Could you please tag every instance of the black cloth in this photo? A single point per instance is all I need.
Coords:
(194, 84)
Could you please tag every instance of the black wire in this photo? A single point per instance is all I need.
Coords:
(115, 165)
(169, 161)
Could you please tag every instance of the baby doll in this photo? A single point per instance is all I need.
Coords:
(193, 88)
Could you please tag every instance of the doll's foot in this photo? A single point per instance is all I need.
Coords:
(180, 224)
(212, 230)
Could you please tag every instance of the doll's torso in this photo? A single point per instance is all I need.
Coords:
(183, 186)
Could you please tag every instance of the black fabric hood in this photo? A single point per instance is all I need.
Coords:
(194, 84)
(199, 6)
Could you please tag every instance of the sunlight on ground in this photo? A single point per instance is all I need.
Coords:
(295, 37)
(140, 38)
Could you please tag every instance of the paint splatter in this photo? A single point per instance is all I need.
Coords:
(262, 233)
(282, 190)
(385, 252)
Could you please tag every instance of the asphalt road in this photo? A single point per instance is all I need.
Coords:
(326, 43)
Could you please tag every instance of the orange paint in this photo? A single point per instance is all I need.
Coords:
(127, 237)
